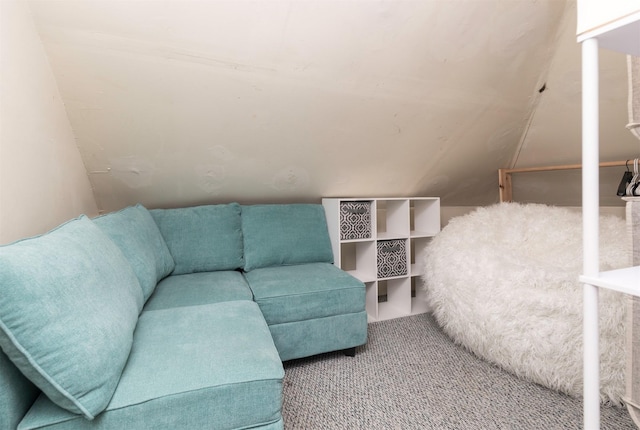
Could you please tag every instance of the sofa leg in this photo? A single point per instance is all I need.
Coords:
(350, 352)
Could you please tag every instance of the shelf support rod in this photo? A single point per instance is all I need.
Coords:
(590, 228)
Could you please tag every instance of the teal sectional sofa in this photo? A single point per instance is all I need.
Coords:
(169, 318)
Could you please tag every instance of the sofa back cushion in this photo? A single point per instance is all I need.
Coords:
(281, 234)
(202, 238)
(69, 304)
(137, 235)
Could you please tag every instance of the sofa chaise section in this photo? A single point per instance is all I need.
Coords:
(191, 367)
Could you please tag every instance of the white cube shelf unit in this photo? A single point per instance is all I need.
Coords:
(381, 242)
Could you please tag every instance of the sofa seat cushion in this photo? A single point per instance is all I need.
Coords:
(194, 367)
(202, 238)
(276, 235)
(69, 303)
(136, 234)
(305, 291)
(198, 289)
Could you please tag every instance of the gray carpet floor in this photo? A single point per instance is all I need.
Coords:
(410, 375)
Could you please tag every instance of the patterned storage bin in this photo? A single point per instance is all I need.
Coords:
(355, 220)
(392, 258)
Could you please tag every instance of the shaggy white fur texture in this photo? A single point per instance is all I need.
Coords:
(503, 282)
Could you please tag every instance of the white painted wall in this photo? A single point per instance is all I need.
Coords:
(43, 181)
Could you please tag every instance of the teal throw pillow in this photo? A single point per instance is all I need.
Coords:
(136, 234)
(202, 238)
(69, 304)
(282, 234)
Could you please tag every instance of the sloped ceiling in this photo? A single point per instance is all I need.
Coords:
(188, 102)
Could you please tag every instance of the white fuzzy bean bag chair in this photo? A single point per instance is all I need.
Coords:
(503, 282)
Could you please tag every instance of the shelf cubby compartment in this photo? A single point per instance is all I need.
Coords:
(392, 218)
(356, 219)
(418, 299)
(392, 257)
(424, 217)
(417, 254)
(358, 259)
(371, 299)
(394, 298)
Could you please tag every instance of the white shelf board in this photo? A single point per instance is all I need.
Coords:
(390, 278)
(625, 280)
(391, 236)
(362, 275)
(418, 234)
(622, 35)
(366, 239)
